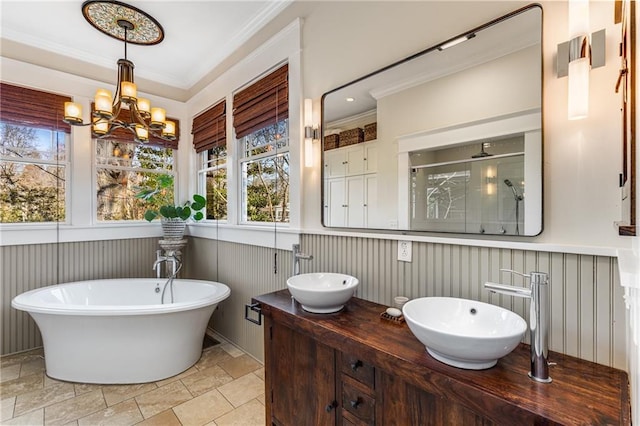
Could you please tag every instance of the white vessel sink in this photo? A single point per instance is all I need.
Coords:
(464, 333)
(322, 293)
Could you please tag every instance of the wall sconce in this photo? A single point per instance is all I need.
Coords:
(490, 180)
(577, 56)
(311, 133)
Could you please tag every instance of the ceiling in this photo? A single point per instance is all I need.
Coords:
(199, 35)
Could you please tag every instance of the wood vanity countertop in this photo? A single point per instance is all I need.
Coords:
(582, 392)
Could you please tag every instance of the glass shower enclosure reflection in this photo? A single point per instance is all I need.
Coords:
(481, 195)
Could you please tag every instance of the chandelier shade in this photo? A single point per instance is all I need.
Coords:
(124, 110)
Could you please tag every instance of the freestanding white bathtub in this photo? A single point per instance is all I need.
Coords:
(117, 331)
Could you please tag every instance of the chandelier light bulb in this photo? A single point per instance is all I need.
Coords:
(169, 129)
(101, 127)
(142, 133)
(144, 106)
(103, 103)
(129, 91)
(72, 112)
(158, 117)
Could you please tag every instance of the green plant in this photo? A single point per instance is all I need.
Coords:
(161, 196)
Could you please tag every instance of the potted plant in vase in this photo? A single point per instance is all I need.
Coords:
(172, 217)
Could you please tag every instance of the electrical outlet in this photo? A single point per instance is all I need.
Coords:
(404, 251)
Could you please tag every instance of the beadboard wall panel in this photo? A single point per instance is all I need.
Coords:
(587, 307)
(27, 267)
(248, 271)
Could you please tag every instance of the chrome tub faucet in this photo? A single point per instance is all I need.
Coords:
(538, 292)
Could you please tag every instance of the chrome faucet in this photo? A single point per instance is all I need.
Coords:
(538, 318)
(170, 257)
(297, 255)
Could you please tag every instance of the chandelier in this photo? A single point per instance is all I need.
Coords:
(124, 110)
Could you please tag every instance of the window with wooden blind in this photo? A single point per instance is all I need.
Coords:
(210, 142)
(261, 124)
(34, 160)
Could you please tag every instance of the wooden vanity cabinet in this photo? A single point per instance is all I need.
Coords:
(354, 368)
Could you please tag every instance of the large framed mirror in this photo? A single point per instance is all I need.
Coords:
(447, 140)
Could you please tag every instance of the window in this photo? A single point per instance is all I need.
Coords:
(260, 119)
(265, 174)
(122, 169)
(210, 142)
(34, 156)
(33, 173)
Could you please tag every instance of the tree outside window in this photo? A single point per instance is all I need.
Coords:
(122, 169)
(33, 168)
(265, 174)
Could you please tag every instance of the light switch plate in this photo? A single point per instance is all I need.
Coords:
(404, 251)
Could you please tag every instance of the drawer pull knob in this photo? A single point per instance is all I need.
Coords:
(355, 403)
(331, 406)
(356, 365)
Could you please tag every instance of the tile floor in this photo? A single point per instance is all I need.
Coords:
(225, 387)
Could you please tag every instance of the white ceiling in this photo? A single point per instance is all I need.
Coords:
(198, 34)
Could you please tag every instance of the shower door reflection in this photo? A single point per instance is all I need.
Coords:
(484, 195)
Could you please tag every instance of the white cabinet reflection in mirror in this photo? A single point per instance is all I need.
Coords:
(351, 185)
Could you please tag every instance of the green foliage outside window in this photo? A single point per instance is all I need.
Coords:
(32, 175)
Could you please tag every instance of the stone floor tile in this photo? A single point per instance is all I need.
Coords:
(206, 380)
(43, 397)
(211, 357)
(48, 381)
(232, 350)
(21, 357)
(6, 408)
(202, 409)
(160, 399)
(242, 390)
(21, 385)
(125, 413)
(240, 366)
(34, 366)
(185, 373)
(166, 418)
(33, 418)
(250, 414)
(260, 373)
(73, 409)
(261, 399)
(114, 394)
(81, 388)
(9, 372)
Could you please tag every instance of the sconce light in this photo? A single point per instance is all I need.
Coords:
(491, 178)
(311, 133)
(577, 56)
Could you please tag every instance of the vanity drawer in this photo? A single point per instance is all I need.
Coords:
(357, 402)
(359, 370)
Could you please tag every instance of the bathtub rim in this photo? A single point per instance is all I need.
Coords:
(21, 302)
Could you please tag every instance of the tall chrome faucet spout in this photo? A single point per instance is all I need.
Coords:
(297, 255)
(538, 319)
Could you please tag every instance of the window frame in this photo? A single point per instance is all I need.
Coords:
(66, 164)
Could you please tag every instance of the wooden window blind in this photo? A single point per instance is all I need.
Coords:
(263, 103)
(29, 107)
(209, 128)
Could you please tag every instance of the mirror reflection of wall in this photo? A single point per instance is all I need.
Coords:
(493, 77)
